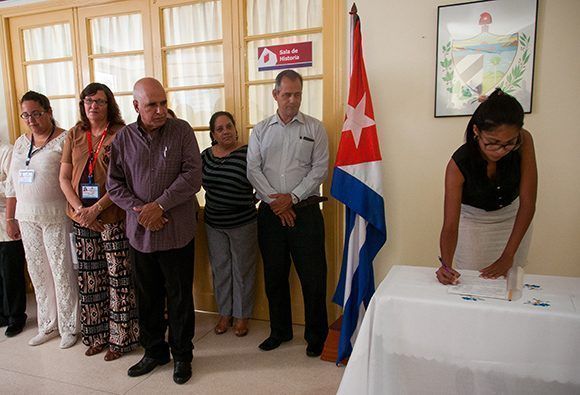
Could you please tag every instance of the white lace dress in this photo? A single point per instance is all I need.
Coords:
(40, 211)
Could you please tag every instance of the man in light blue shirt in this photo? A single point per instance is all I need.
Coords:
(287, 163)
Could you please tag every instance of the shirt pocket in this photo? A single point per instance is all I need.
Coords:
(305, 148)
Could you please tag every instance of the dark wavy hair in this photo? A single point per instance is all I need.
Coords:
(499, 109)
(41, 100)
(213, 120)
(113, 112)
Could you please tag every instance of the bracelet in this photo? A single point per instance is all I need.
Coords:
(99, 207)
(10, 219)
(160, 206)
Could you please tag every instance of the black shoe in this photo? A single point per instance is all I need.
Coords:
(181, 371)
(14, 329)
(314, 350)
(272, 343)
(145, 365)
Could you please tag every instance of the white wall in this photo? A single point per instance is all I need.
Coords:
(399, 39)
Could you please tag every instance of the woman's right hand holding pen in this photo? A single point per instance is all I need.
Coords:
(446, 274)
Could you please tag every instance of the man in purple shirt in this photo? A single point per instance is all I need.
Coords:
(154, 174)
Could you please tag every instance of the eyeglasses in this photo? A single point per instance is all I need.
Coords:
(507, 147)
(99, 102)
(34, 114)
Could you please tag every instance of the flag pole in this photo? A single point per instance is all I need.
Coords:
(353, 13)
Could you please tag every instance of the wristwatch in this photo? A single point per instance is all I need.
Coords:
(294, 198)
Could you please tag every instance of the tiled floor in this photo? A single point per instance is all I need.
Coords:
(221, 364)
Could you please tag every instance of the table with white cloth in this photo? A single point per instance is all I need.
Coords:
(416, 338)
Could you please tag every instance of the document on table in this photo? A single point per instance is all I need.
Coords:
(470, 283)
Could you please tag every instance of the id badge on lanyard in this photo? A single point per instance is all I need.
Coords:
(90, 190)
(26, 176)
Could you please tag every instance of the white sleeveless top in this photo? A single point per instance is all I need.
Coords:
(41, 200)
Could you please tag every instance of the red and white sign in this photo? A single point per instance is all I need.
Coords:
(285, 56)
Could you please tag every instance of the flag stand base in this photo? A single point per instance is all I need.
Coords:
(330, 350)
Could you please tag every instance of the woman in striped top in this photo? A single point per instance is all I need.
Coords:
(230, 222)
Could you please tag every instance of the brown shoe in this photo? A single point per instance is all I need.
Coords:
(94, 349)
(223, 324)
(111, 355)
(241, 327)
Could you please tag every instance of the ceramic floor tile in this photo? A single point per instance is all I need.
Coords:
(204, 324)
(19, 383)
(222, 364)
(69, 366)
(225, 364)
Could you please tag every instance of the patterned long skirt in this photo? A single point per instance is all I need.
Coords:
(107, 295)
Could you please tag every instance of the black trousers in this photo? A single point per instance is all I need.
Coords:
(12, 282)
(304, 245)
(160, 276)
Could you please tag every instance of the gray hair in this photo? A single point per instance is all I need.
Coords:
(290, 74)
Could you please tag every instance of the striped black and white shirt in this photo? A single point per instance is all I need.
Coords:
(229, 197)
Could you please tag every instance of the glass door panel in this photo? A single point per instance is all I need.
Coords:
(192, 23)
(115, 34)
(196, 105)
(65, 112)
(125, 103)
(198, 65)
(39, 42)
(47, 68)
(116, 48)
(119, 73)
(273, 16)
(51, 79)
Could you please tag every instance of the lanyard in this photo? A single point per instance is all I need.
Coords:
(93, 156)
(31, 152)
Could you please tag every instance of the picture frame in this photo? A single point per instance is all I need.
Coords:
(482, 46)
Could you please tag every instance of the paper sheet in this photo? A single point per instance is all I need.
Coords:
(471, 284)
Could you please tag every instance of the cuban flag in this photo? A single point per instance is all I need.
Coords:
(357, 183)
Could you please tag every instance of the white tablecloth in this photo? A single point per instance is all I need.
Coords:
(416, 338)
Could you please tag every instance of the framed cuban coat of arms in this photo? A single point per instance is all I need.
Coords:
(482, 46)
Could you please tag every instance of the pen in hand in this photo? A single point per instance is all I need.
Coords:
(450, 271)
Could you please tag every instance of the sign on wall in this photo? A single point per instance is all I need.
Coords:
(285, 56)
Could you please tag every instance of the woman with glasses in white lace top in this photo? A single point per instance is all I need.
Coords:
(35, 207)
